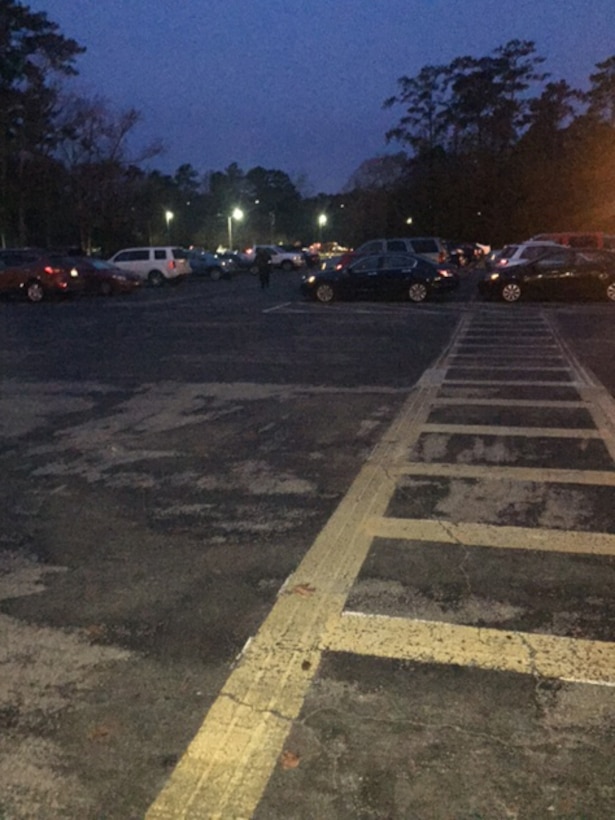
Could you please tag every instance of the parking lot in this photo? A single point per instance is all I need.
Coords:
(270, 558)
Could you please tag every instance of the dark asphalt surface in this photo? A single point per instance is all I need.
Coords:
(167, 459)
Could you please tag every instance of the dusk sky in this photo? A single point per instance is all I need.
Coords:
(298, 85)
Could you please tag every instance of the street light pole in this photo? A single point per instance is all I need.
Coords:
(168, 216)
(322, 221)
(238, 215)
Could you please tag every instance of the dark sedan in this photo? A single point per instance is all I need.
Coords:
(381, 276)
(562, 273)
(104, 279)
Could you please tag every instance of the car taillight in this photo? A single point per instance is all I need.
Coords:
(172, 264)
(51, 271)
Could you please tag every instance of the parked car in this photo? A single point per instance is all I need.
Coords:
(521, 252)
(156, 265)
(381, 276)
(581, 239)
(210, 264)
(463, 254)
(37, 274)
(560, 273)
(104, 279)
(429, 247)
(280, 258)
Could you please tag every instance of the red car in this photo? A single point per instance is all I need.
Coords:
(37, 274)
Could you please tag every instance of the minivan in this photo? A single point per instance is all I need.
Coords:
(156, 265)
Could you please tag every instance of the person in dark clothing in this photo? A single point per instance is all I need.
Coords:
(263, 265)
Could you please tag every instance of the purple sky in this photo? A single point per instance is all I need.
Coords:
(298, 85)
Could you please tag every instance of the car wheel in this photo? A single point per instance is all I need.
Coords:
(155, 278)
(215, 274)
(324, 293)
(511, 292)
(105, 289)
(610, 291)
(35, 291)
(287, 265)
(418, 292)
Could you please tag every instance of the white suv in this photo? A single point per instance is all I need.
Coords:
(287, 260)
(512, 255)
(156, 264)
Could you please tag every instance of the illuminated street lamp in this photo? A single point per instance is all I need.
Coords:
(168, 216)
(322, 221)
(237, 215)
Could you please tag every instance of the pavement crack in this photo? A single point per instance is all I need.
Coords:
(260, 711)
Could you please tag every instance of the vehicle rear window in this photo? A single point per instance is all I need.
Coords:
(179, 253)
(508, 251)
(425, 246)
(14, 260)
(395, 261)
(371, 247)
(133, 256)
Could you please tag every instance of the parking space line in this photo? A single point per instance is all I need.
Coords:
(549, 656)
(452, 382)
(494, 472)
(464, 401)
(489, 368)
(496, 430)
(494, 536)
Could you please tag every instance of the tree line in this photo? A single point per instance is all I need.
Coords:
(490, 149)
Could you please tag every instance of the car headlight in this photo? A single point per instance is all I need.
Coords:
(494, 277)
(309, 279)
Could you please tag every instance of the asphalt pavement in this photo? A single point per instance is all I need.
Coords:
(267, 558)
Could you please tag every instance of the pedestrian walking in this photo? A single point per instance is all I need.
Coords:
(263, 265)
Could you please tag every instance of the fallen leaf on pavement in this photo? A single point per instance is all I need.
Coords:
(289, 760)
(304, 590)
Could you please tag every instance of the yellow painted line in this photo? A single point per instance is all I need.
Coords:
(494, 536)
(494, 472)
(549, 656)
(513, 383)
(226, 767)
(496, 430)
(491, 367)
(551, 403)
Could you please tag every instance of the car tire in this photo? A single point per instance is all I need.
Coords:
(155, 278)
(34, 291)
(418, 292)
(287, 265)
(510, 292)
(610, 291)
(324, 293)
(215, 274)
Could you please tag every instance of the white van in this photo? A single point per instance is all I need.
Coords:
(156, 265)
